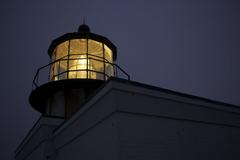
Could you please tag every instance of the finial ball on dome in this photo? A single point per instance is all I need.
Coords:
(83, 28)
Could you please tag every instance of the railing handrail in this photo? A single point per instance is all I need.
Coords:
(117, 67)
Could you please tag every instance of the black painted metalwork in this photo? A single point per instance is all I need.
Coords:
(73, 76)
(116, 68)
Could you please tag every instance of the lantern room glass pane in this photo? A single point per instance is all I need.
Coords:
(54, 71)
(78, 46)
(78, 66)
(53, 55)
(61, 50)
(62, 69)
(77, 74)
(108, 54)
(95, 48)
(96, 63)
(109, 70)
(96, 68)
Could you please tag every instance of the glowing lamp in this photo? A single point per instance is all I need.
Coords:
(82, 55)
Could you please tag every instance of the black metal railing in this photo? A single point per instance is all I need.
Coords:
(41, 78)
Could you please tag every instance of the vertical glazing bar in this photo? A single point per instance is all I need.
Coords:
(68, 58)
(52, 71)
(53, 68)
(76, 72)
(58, 70)
(104, 67)
(87, 60)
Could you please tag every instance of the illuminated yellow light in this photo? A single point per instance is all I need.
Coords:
(79, 67)
(72, 61)
(81, 64)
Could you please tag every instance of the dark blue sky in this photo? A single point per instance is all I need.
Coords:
(187, 46)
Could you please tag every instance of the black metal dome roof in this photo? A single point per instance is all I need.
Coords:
(83, 33)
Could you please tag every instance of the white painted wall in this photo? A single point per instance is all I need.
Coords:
(127, 121)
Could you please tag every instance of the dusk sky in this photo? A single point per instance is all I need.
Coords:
(187, 46)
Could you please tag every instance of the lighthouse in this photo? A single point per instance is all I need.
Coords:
(79, 63)
(87, 114)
